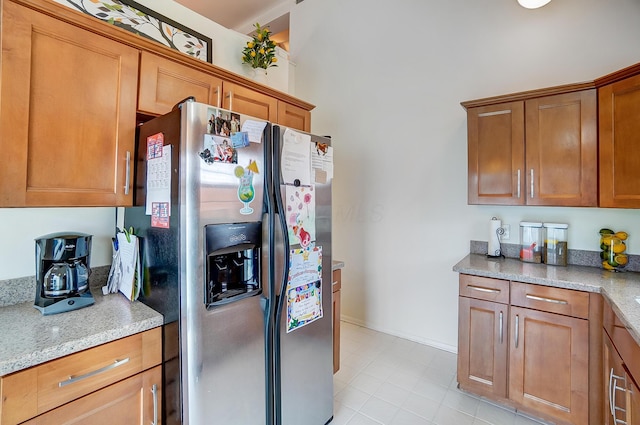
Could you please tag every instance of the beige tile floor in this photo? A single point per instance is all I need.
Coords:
(388, 380)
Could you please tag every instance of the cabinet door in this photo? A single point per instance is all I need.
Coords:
(482, 347)
(562, 150)
(619, 139)
(549, 364)
(496, 154)
(67, 113)
(632, 401)
(134, 401)
(243, 100)
(614, 397)
(163, 83)
(293, 117)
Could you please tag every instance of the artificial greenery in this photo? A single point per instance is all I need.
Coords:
(260, 52)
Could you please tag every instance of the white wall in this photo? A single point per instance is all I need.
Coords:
(388, 78)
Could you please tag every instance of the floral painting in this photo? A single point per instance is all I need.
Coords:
(139, 20)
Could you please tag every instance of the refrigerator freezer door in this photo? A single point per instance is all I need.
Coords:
(223, 347)
(305, 356)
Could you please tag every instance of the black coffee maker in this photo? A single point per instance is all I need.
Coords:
(62, 272)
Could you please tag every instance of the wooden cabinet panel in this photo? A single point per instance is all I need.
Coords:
(293, 117)
(553, 300)
(562, 149)
(496, 154)
(67, 113)
(539, 151)
(614, 399)
(127, 402)
(163, 83)
(619, 139)
(243, 100)
(549, 364)
(482, 347)
(530, 358)
(335, 296)
(484, 288)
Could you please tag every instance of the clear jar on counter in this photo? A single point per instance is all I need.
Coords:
(531, 241)
(555, 244)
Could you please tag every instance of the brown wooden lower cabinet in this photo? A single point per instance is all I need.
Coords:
(134, 401)
(621, 371)
(549, 364)
(114, 383)
(526, 346)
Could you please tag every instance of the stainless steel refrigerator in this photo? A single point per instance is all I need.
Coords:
(221, 225)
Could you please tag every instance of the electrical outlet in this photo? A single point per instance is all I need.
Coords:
(506, 232)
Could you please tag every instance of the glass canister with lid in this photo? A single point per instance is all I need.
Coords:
(531, 241)
(555, 244)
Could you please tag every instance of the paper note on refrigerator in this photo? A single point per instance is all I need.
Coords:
(159, 180)
(296, 158)
(322, 162)
(300, 203)
(304, 287)
(254, 130)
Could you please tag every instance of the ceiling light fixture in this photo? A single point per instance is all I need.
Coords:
(533, 4)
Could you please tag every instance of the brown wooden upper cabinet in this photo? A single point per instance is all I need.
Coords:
(244, 100)
(164, 83)
(534, 148)
(619, 133)
(293, 116)
(67, 113)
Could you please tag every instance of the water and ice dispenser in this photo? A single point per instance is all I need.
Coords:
(232, 269)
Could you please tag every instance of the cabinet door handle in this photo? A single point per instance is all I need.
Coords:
(532, 183)
(72, 379)
(219, 94)
(230, 96)
(518, 183)
(483, 289)
(547, 300)
(501, 330)
(611, 402)
(613, 387)
(127, 178)
(154, 391)
(517, 330)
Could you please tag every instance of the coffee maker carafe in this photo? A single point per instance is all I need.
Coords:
(62, 272)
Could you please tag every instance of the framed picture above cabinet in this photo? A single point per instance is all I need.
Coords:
(138, 19)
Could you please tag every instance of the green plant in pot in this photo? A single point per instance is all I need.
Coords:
(260, 52)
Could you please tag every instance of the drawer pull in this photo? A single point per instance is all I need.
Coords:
(483, 289)
(547, 300)
(72, 379)
(154, 391)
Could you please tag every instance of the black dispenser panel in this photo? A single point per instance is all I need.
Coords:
(232, 262)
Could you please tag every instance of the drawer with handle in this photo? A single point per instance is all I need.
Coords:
(41, 388)
(484, 288)
(550, 299)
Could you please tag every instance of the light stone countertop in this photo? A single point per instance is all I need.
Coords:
(620, 289)
(29, 338)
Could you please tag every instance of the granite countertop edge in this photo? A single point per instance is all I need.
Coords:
(619, 289)
(30, 339)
